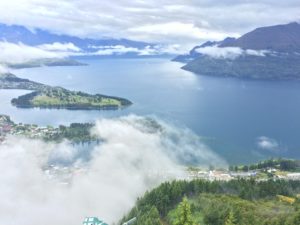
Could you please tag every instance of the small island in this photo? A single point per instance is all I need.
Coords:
(60, 98)
(45, 96)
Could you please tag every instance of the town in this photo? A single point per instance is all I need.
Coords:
(257, 174)
(75, 133)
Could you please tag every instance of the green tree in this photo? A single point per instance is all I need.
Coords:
(230, 220)
(296, 219)
(151, 218)
(184, 214)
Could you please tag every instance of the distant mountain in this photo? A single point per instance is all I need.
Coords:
(248, 66)
(16, 34)
(193, 54)
(85, 47)
(279, 38)
(264, 53)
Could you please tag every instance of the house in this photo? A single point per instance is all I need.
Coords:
(293, 176)
(93, 221)
(271, 170)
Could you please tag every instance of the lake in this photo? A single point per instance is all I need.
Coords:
(242, 120)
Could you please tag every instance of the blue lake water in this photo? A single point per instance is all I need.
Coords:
(230, 114)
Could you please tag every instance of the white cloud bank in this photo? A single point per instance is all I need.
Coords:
(166, 21)
(60, 47)
(148, 50)
(3, 69)
(21, 53)
(12, 53)
(136, 154)
(229, 52)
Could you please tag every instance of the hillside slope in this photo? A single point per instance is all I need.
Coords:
(279, 38)
(264, 53)
(243, 202)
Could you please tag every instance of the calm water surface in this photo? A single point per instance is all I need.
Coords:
(229, 114)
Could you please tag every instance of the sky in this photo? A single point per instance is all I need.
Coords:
(180, 22)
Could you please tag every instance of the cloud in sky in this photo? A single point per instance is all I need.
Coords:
(229, 52)
(267, 143)
(148, 50)
(116, 49)
(60, 47)
(137, 154)
(174, 22)
(3, 69)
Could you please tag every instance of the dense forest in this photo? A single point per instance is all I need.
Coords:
(76, 133)
(242, 202)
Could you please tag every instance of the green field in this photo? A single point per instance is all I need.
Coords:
(46, 100)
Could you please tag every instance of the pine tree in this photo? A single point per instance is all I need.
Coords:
(151, 218)
(184, 215)
(230, 220)
(296, 218)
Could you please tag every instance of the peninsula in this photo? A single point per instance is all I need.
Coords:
(45, 96)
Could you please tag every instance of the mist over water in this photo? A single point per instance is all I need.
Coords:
(137, 153)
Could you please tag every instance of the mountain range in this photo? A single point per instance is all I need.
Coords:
(13, 37)
(17, 34)
(265, 53)
(22, 47)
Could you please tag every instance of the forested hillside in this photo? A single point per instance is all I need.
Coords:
(220, 203)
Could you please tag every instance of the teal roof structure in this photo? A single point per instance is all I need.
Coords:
(93, 221)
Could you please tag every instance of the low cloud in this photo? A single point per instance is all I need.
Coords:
(60, 47)
(267, 143)
(136, 154)
(21, 53)
(180, 144)
(229, 52)
(147, 51)
(116, 49)
(256, 52)
(3, 69)
(12, 53)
